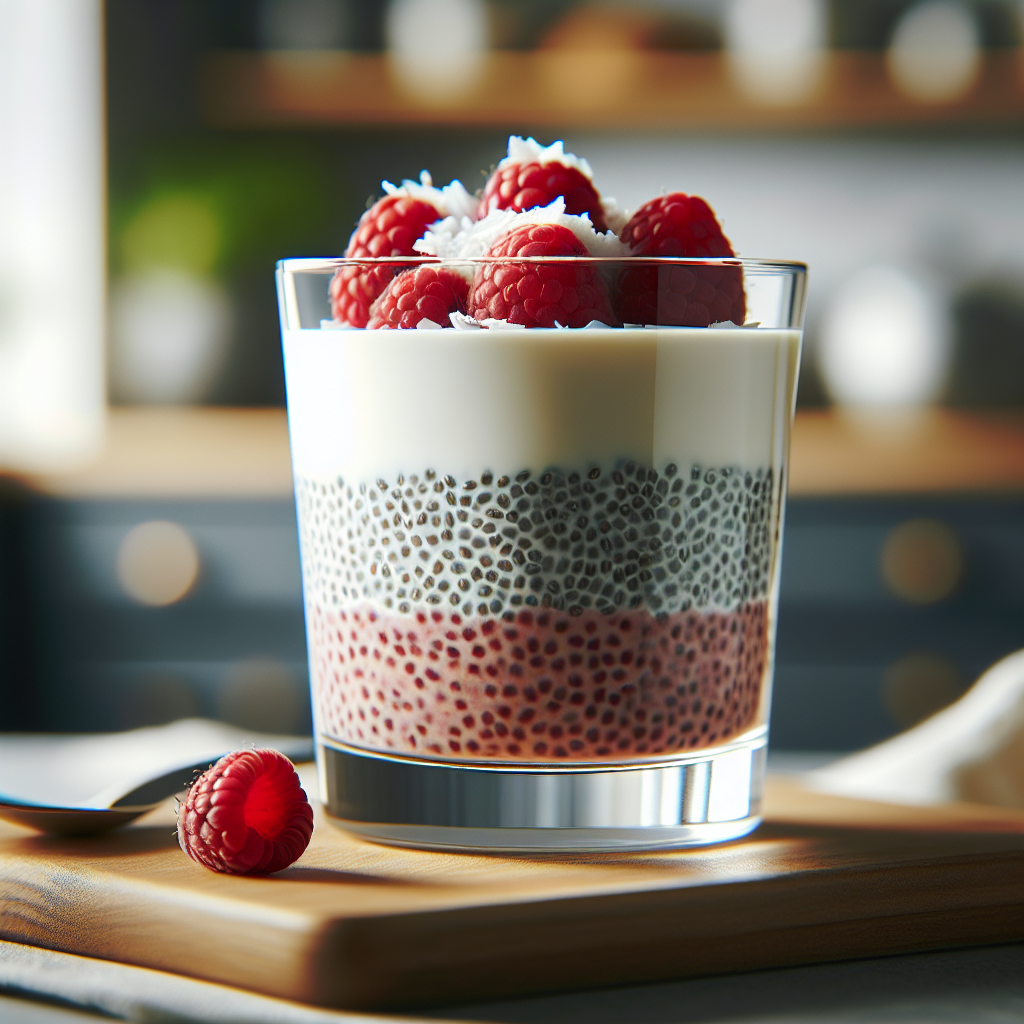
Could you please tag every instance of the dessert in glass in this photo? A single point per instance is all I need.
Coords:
(540, 470)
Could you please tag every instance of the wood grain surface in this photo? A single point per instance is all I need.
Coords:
(362, 926)
(594, 72)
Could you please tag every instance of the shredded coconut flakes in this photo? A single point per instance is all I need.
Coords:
(453, 200)
(461, 322)
(452, 238)
(530, 151)
(615, 218)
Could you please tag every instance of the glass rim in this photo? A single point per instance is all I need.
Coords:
(330, 264)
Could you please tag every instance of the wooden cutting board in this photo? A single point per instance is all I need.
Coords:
(361, 926)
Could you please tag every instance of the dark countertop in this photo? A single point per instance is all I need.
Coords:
(984, 986)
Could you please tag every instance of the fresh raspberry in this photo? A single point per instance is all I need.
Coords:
(675, 225)
(246, 815)
(388, 228)
(420, 293)
(694, 296)
(539, 294)
(522, 187)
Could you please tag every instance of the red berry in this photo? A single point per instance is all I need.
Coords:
(675, 225)
(420, 293)
(522, 187)
(694, 296)
(539, 294)
(388, 228)
(246, 815)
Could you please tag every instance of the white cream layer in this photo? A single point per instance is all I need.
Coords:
(367, 404)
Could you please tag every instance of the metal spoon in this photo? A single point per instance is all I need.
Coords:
(111, 809)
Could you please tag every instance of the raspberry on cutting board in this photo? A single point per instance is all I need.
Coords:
(420, 294)
(246, 815)
(389, 228)
(533, 175)
(694, 296)
(539, 294)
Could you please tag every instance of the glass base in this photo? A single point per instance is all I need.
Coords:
(695, 799)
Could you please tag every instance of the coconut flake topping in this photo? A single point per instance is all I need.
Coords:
(615, 218)
(461, 322)
(530, 151)
(453, 200)
(453, 238)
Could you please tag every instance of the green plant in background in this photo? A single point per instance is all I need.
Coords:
(175, 229)
(194, 238)
(216, 207)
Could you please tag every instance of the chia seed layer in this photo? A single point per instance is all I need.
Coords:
(538, 685)
(605, 539)
(607, 613)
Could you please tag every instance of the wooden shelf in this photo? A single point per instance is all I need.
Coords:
(597, 89)
(166, 452)
(937, 450)
(222, 453)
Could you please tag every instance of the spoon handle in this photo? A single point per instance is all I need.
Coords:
(178, 779)
(155, 790)
(67, 821)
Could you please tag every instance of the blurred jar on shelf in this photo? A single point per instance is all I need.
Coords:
(886, 340)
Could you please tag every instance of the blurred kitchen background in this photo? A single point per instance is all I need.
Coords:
(158, 156)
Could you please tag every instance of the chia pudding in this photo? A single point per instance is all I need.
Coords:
(574, 562)
(539, 445)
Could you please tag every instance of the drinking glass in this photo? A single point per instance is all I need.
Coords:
(540, 566)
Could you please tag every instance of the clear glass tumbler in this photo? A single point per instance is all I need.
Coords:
(540, 566)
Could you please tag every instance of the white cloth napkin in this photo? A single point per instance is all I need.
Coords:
(972, 750)
(87, 769)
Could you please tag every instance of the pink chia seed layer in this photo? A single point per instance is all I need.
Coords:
(540, 685)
